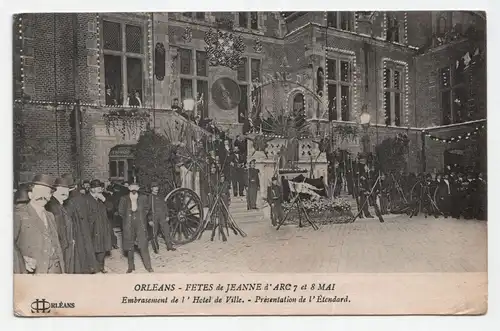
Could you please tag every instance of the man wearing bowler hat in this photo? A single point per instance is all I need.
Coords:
(133, 209)
(35, 230)
(77, 207)
(100, 226)
(63, 221)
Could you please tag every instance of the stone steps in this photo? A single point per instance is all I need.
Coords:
(239, 212)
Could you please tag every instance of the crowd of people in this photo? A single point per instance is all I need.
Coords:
(453, 193)
(229, 158)
(61, 227)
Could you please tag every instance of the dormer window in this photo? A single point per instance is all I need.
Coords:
(248, 20)
(393, 29)
(341, 20)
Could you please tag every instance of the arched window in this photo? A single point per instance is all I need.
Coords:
(298, 110)
(441, 28)
(298, 103)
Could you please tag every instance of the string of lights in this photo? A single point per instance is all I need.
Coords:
(150, 48)
(404, 65)
(457, 138)
(406, 27)
(384, 27)
(21, 48)
(98, 57)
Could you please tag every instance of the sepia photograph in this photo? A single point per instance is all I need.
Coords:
(347, 144)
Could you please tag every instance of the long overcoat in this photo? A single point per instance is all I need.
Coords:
(134, 229)
(65, 232)
(85, 259)
(35, 240)
(100, 225)
(19, 266)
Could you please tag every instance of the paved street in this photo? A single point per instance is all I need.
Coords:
(398, 245)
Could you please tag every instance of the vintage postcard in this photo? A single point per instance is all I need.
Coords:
(250, 163)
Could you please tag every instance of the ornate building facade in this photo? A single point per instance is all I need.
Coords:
(400, 67)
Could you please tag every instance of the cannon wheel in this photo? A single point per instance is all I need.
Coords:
(185, 213)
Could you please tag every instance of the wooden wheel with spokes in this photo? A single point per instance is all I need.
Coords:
(185, 214)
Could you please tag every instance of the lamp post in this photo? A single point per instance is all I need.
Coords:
(364, 120)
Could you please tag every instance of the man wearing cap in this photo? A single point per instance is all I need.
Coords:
(63, 221)
(100, 226)
(253, 185)
(158, 216)
(133, 209)
(35, 231)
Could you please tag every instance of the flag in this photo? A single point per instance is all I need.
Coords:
(303, 188)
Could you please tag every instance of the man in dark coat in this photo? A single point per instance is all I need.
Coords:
(76, 206)
(100, 225)
(253, 186)
(242, 147)
(364, 194)
(63, 221)
(158, 216)
(133, 209)
(237, 172)
(275, 200)
(35, 232)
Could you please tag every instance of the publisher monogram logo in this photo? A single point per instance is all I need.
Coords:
(40, 306)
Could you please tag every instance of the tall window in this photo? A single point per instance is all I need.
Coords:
(248, 20)
(339, 86)
(453, 95)
(394, 32)
(249, 71)
(444, 22)
(340, 20)
(123, 50)
(393, 95)
(194, 78)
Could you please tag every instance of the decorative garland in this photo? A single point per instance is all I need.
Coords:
(456, 138)
(126, 121)
(224, 49)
